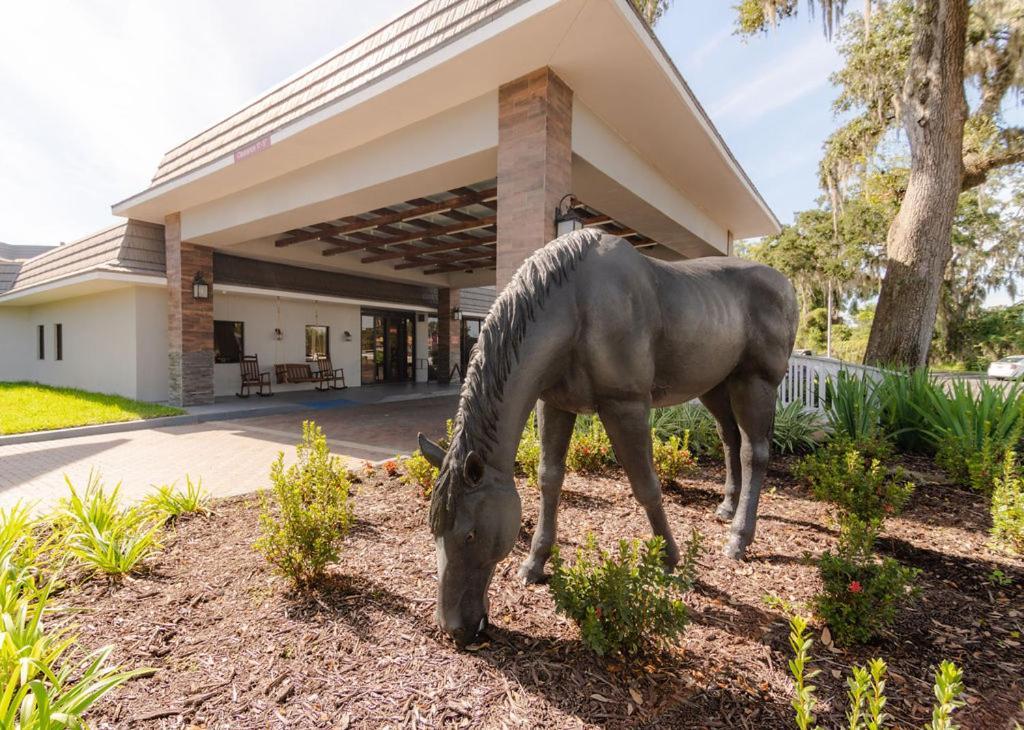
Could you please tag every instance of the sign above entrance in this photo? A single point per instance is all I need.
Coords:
(252, 148)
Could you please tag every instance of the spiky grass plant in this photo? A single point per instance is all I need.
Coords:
(169, 503)
(797, 429)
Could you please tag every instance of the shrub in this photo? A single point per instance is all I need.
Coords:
(853, 406)
(860, 592)
(420, 472)
(103, 535)
(528, 452)
(624, 603)
(904, 399)
(796, 429)
(854, 483)
(866, 694)
(590, 449)
(170, 503)
(390, 467)
(672, 457)
(18, 535)
(306, 514)
(691, 418)
(972, 427)
(1008, 506)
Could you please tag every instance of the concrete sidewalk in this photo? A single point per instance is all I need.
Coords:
(231, 456)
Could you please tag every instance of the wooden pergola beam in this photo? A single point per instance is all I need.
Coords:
(420, 235)
(437, 246)
(386, 218)
(484, 260)
(417, 262)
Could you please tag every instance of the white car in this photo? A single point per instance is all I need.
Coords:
(1009, 367)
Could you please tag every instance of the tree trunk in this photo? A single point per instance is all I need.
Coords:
(933, 111)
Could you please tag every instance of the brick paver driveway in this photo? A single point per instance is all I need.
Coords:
(231, 457)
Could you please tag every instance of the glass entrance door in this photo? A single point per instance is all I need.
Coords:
(387, 347)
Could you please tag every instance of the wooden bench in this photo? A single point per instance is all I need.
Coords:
(299, 372)
(253, 377)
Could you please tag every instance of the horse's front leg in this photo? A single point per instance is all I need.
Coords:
(555, 427)
(717, 403)
(628, 426)
(753, 403)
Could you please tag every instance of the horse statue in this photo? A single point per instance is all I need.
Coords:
(586, 325)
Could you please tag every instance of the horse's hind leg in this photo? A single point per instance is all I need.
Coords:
(753, 405)
(628, 426)
(717, 402)
(555, 427)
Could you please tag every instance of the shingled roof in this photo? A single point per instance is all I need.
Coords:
(132, 247)
(10, 252)
(413, 35)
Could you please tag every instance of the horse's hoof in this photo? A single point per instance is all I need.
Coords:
(724, 513)
(734, 549)
(530, 575)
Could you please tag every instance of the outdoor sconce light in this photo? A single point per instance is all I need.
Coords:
(457, 314)
(567, 218)
(278, 334)
(347, 336)
(200, 289)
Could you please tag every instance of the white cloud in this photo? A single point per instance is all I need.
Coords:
(699, 56)
(94, 93)
(796, 73)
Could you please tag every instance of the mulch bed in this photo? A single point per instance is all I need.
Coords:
(233, 648)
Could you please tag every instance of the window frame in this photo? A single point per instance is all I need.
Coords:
(41, 344)
(58, 341)
(327, 341)
(240, 324)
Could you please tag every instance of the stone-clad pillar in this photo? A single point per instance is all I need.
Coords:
(449, 334)
(189, 320)
(534, 164)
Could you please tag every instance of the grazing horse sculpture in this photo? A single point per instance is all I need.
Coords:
(587, 325)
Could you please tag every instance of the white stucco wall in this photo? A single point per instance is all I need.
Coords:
(17, 343)
(151, 343)
(262, 314)
(99, 334)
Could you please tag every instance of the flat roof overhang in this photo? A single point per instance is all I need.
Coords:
(601, 48)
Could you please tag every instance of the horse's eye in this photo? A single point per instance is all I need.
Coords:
(470, 536)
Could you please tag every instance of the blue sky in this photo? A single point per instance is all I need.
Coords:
(88, 113)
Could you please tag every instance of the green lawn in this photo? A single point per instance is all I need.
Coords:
(33, 407)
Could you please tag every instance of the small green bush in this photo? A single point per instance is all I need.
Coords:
(417, 470)
(306, 514)
(861, 593)
(797, 429)
(170, 503)
(624, 603)
(590, 449)
(866, 693)
(691, 418)
(853, 406)
(905, 397)
(1008, 506)
(528, 452)
(102, 534)
(855, 483)
(672, 457)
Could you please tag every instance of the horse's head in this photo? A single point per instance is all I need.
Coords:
(475, 519)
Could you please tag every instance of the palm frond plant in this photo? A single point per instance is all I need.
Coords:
(904, 396)
(853, 406)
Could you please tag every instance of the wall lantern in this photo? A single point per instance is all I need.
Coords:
(200, 289)
(278, 334)
(347, 336)
(456, 314)
(567, 218)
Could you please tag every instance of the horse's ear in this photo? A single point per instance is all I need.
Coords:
(473, 470)
(431, 451)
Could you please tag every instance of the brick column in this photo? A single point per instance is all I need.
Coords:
(189, 320)
(534, 164)
(449, 334)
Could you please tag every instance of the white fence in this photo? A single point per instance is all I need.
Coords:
(807, 377)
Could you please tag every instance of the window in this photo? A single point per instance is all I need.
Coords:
(42, 342)
(58, 341)
(228, 341)
(318, 341)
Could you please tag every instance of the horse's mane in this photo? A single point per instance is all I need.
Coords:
(495, 354)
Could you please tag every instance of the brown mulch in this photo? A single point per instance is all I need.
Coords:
(234, 649)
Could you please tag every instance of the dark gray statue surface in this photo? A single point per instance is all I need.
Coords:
(587, 325)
